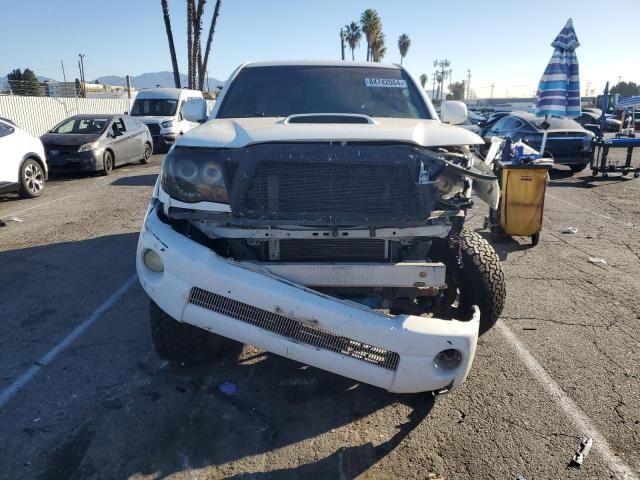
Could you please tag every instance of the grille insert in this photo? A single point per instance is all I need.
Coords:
(293, 329)
(332, 191)
(335, 250)
(154, 128)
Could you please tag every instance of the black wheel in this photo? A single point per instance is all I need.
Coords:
(178, 342)
(625, 173)
(107, 163)
(474, 277)
(578, 168)
(147, 154)
(594, 172)
(535, 239)
(605, 174)
(636, 175)
(31, 179)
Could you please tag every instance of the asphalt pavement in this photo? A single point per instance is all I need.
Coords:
(83, 394)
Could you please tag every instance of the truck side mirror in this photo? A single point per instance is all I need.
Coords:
(195, 110)
(453, 112)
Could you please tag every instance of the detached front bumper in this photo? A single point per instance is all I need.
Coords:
(245, 303)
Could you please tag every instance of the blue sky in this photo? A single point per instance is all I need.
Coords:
(504, 42)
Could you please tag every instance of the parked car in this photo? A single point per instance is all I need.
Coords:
(493, 118)
(476, 118)
(318, 215)
(23, 165)
(471, 126)
(567, 141)
(90, 143)
(593, 118)
(162, 110)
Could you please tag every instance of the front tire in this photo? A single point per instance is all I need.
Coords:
(178, 342)
(147, 154)
(31, 179)
(107, 163)
(474, 277)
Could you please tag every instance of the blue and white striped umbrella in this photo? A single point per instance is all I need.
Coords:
(559, 89)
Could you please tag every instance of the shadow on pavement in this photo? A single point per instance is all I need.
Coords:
(504, 244)
(136, 181)
(279, 404)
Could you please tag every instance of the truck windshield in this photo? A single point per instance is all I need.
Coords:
(152, 107)
(280, 91)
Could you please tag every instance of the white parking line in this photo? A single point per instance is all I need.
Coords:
(18, 212)
(30, 374)
(568, 406)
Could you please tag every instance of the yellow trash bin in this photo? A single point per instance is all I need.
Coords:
(522, 199)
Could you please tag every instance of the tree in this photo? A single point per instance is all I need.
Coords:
(378, 49)
(625, 89)
(404, 42)
(212, 28)
(24, 82)
(172, 48)
(353, 36)
(371, 26)
(423, 80)
(456, 91)
(15, 81)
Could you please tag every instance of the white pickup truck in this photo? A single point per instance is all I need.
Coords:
(319, 215)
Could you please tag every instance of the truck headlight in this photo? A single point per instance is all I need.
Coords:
(87, 147)
(449, 184)
(167, 124)
(194, 175)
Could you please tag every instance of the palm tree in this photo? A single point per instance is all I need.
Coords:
(191, 12)
(172, 48)
(423, 80)
(353, 36)
(378, 49)
(404, 42)
(203, 66)
(371, 26)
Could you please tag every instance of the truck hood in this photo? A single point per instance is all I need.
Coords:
(240, 132)
(158, 120)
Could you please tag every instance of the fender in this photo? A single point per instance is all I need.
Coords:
(36, 157)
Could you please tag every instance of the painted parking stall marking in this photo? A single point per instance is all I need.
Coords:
(19, 383)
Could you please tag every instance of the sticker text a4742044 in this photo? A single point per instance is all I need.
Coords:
(385, 82)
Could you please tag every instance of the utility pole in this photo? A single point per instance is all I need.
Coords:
(129, 87)
(208, 84)
(433, 90)
(342, 42)
(64, 76)
(82, 79)
(468, 84)
(491, 99)
(619, 78)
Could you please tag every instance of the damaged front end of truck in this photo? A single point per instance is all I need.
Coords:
(350, 256)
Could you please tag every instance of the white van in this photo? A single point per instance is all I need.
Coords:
(162, 110)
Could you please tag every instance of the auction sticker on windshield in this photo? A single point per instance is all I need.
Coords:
(385, 82)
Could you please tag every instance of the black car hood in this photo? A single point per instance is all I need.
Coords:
(69, 139)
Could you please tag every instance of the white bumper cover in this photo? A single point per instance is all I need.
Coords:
(242, 291)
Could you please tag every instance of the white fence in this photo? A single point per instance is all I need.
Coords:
(37, 115)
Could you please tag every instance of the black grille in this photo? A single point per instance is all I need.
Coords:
(329, 190)
(154, 128)
(62, 149)
(336, 250)
(294, 329)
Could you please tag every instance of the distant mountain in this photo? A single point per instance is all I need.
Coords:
(150, 80)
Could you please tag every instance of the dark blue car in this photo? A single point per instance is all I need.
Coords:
(567, 141)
